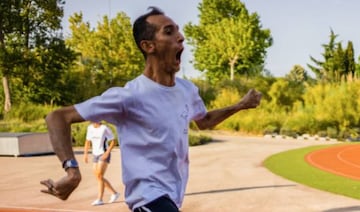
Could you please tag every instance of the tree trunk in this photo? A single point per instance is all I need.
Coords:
(7, 104)
(232, 67)
(231, 71)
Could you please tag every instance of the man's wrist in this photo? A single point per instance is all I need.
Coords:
(71, 163)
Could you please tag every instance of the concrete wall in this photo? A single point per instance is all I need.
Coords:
(20, 144)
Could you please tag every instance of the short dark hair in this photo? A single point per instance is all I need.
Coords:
(143, 30)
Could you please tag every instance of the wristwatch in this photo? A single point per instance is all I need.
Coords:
(72, 163)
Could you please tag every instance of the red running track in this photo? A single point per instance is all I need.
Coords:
(343, 160)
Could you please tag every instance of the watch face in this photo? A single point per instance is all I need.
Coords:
(71, 164)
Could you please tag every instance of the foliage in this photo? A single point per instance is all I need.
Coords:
(107, 55)
(291, 165)
(260, 83)
(33, 56)
(15, 125)
(326, 110)
(209, 92)
(196, 139)
(225, 97)
(357, 69)
(327, 106)
(349, 59)
(53, 63)
(338, 64)
(25, 117)
(297, 74)
(228, 40)
(284, 93)
(206, 91)
(248, 121)
(78, 133)
(28, 113)
(40, 69)
(293, 108)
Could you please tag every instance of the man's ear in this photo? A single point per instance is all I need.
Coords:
(147, 46)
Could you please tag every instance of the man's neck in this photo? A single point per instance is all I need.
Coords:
(159, 75)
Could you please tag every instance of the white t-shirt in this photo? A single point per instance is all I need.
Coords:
(152, 123)
(99, 138)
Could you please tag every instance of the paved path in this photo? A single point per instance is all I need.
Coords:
(226, 175)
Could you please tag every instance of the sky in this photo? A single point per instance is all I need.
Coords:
(298, 28)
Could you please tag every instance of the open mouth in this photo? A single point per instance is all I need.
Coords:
(178, 55)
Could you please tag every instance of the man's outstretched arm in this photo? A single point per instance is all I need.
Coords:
(214, 117)
(59, 128)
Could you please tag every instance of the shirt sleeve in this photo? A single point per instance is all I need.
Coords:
(109, 106)
(88, 133)
(199, 109)
(109, 135)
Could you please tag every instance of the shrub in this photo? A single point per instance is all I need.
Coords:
(288, 132)
(28, 112)
(271, 129)
(226, 97)
(198, 139)
(332, 132)
(78, 132)
(322, 133)
(15, 125)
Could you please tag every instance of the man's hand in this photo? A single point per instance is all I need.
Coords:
(214, 117)
(250, 100)
(104, 156)
(65, 186)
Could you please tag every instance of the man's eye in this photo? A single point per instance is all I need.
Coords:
(168, 31)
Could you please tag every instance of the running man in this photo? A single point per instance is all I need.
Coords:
(152, 114)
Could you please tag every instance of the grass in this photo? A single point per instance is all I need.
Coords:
(292, 165)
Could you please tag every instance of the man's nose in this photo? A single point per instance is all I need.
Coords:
(180, 38)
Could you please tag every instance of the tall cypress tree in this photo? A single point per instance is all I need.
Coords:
(350, 59)
(337, 64)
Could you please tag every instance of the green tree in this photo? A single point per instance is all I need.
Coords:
(324, 69)
(357, 69)
(297, 74)
(29, 27)
(108, 55)
(50, 83)
(350, 65)
(228, 40)
(338, 64)
(9, 25)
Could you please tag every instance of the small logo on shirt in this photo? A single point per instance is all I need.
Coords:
(185, 115)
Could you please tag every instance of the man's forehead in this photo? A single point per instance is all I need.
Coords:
(160, 20)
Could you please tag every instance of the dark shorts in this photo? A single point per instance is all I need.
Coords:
(97, 158)
(161, 204)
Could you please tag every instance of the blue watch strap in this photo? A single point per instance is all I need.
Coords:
(72, 163)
